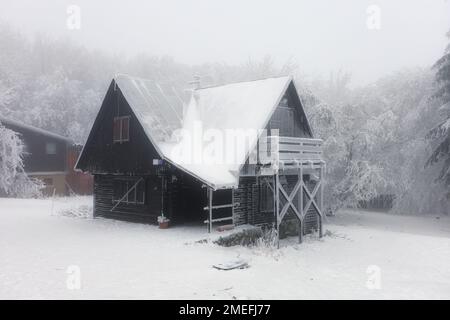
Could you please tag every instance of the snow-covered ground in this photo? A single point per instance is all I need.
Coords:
(364, 255)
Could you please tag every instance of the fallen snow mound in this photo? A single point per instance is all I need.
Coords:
(74, 207)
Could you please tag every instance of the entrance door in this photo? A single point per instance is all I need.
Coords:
(188, 200)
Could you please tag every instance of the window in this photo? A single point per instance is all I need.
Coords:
(50, 148)
(121, 129)
(129, 191)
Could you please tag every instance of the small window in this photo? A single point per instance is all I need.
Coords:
(121, 129)
(116, 130)
(129, 191)
(125, 129)
(50, 148)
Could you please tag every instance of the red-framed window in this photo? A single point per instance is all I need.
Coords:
(121, 129)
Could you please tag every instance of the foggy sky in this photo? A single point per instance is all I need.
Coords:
(320, 36)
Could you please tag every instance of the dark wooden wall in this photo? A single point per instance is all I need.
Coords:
(36, 159)
(102, 155)
(184, 197)
(103, 200)
(289, 117)
(248, 210)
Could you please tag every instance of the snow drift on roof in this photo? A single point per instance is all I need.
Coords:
(243, 106)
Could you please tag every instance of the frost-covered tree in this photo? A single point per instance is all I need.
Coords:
(440, 134)
(58, 86)
(374, 140)
(13, 179)
(361, 182)
(375, 136)
(351, 176)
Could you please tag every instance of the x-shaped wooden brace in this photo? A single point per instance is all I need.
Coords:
(311, 196)
(289, 200)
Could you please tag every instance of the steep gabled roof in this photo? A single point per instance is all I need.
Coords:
(12, 122)
(236, 106)
(158, 109)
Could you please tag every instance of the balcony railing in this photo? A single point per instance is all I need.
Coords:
(275, 149)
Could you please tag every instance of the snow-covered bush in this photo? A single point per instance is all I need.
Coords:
(246, 237)
(268, 238)
(252, 237)
(13, 179)
(80, 211)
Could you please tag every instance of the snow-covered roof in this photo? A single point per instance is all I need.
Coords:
(37, 130)
(243, 106)
(157, 108)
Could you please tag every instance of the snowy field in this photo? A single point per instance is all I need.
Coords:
(364, 255)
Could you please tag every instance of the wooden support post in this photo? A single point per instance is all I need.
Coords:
(320, 227)
(300, 231)
(210, 208)
(274, 184)
(321, 201)
(300, 203)
(277, 200)
(301, 192)
(258, 194)
(302, 197)
(321, 188)
(162, 195)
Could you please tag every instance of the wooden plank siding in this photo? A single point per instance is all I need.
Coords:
(102, 155)
(103, 202)
(244, 200)
(176, 193)
(290, 120)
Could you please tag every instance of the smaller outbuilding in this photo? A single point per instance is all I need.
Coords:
(50, 158)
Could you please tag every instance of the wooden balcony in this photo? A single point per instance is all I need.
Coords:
(301, 159)
(288, 151)
(292, 148)
(275, 152)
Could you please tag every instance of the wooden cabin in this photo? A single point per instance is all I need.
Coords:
(50, 158)
(138, 150)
